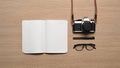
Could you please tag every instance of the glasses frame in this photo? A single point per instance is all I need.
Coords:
(84, 46)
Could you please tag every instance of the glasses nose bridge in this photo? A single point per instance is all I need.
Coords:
(85, 46)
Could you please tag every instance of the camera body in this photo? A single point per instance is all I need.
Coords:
(84, 25)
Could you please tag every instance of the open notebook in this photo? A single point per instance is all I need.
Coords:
(44, 36)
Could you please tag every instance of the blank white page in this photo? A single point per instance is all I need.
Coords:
(57, 36)
(33, 36)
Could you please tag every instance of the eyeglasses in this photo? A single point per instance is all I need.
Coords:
(80, 47)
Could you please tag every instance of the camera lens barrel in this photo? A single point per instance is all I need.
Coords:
(87, 26)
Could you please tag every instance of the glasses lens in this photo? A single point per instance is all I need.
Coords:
(79, 48)
(89, 48)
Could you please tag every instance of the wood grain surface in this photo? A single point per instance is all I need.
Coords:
(107, 54)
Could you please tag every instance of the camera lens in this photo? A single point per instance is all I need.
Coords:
(87, 26)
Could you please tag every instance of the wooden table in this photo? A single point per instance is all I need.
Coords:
(107, 54)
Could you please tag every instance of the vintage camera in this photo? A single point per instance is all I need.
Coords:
(84, 25)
